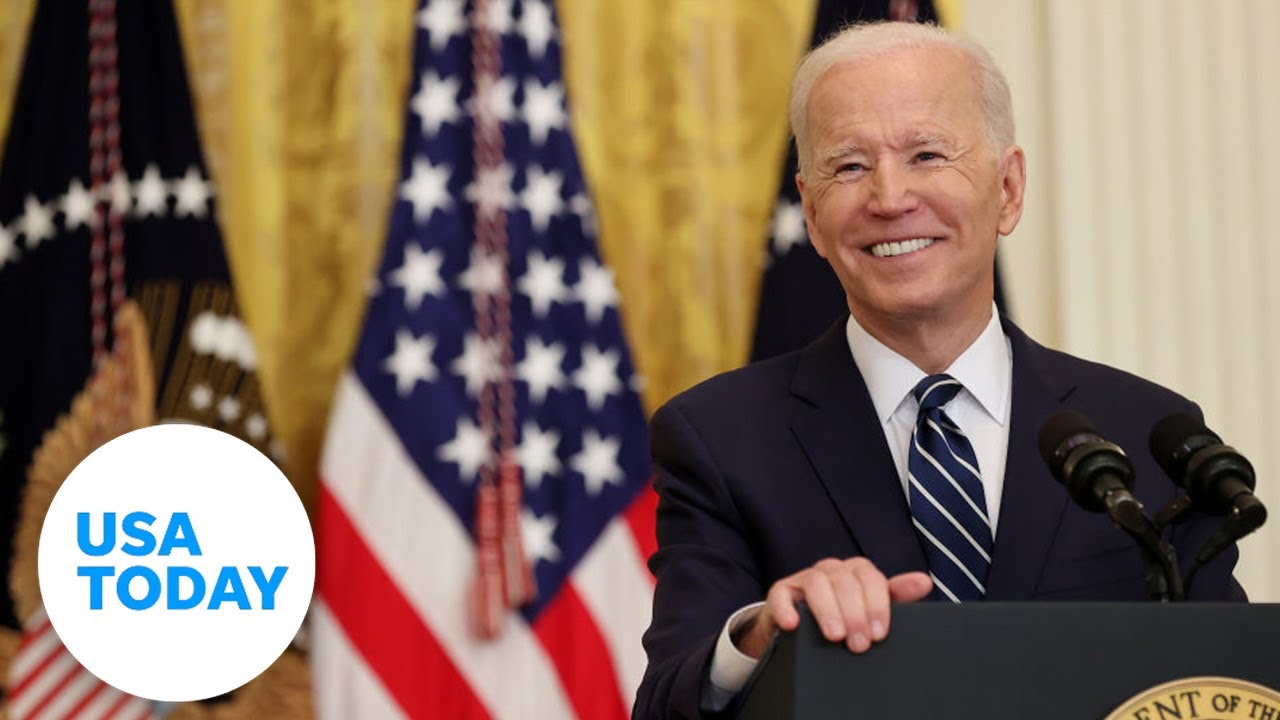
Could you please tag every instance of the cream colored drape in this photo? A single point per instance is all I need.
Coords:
(1153, 170)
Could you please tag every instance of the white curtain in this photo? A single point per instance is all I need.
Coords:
(1150, 239)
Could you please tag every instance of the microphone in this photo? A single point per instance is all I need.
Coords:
(1097, 473)
(1099, 477)
(1218, 479)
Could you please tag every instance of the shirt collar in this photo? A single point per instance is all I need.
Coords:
(985, 369)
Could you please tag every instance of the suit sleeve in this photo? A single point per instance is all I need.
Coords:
(704, 567)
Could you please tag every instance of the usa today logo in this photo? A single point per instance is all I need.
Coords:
(176, 563)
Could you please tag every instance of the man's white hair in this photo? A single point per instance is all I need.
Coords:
(870, 40)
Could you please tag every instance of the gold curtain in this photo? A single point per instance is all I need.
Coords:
(679, 111)
(300, 106)
(950, 12)
(15, 22)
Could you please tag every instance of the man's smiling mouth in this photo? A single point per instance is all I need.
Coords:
(902, 247)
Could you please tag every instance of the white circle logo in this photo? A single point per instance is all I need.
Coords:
(176, 563)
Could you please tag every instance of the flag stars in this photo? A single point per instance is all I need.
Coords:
(494, 100)
(788, 227)
(442, 19)
(469, 450)
(537, 454)
(419, 275)
(119, 193)
(478, 364)
(491, 190)
(540, 368)
(598, 376)
(255, 426)
(150, 193)
(541, 196)
(436, 101)
(201, 397)
(427, 189)
(543, 109)
(595, 289)
(78, 206)
(499, 19)
(543, 282)
(192, 193)
(536, 535)
(228, 409)
(580, 205)
(411, 361)
(597, 462)
(537, 27)
(36, 222)
(485, 275)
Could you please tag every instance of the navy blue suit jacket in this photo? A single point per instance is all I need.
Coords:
(765, 470)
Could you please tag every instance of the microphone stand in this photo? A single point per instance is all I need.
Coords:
(1247, 514)
(1164, 580)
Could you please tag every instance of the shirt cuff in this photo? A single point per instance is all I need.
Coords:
(730, 667)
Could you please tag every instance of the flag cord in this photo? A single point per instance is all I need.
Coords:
(106, 247)
(503, 576)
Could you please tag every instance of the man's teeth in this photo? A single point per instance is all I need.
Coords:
(891, 249)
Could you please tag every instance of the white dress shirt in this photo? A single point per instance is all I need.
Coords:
(981, 410)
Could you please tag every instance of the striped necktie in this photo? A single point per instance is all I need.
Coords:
(948, 507)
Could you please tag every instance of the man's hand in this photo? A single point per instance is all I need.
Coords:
(848, 598)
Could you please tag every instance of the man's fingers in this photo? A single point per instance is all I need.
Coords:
(850, 600)
(875, 593)
(780, 605)
(823, 603)
(909, 587)
(850, 594)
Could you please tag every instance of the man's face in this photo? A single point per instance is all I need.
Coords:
(905, 195)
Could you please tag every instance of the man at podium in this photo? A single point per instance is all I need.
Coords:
(894, 459)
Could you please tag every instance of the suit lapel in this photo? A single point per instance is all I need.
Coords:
(1032, 502)
(836, 424)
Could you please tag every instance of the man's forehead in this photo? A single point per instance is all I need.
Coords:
(938, 67)
(910, 88)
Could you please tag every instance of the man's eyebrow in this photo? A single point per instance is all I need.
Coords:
(929, 139)
(840, 151)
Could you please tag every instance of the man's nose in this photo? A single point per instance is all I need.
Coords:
(891, 191)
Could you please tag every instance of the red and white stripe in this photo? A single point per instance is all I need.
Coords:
(389, 620)
(47, 683)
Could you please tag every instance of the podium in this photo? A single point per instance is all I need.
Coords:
(1000, 661)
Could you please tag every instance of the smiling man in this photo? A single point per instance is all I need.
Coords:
(895, 458)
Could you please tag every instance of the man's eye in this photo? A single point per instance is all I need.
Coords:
(850, 167)
(927, 156)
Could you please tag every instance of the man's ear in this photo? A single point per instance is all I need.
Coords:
(806, 203)
(1013, 184)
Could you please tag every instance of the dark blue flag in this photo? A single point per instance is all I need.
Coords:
(104, 195)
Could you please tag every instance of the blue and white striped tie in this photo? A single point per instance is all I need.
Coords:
(948, 506)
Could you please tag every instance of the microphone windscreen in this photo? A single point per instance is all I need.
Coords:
(1057, 430)
(1175, 438)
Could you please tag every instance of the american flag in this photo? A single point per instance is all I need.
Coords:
(492, 332)
(47, 682)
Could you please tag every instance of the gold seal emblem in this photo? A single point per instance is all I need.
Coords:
(1202, 698)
